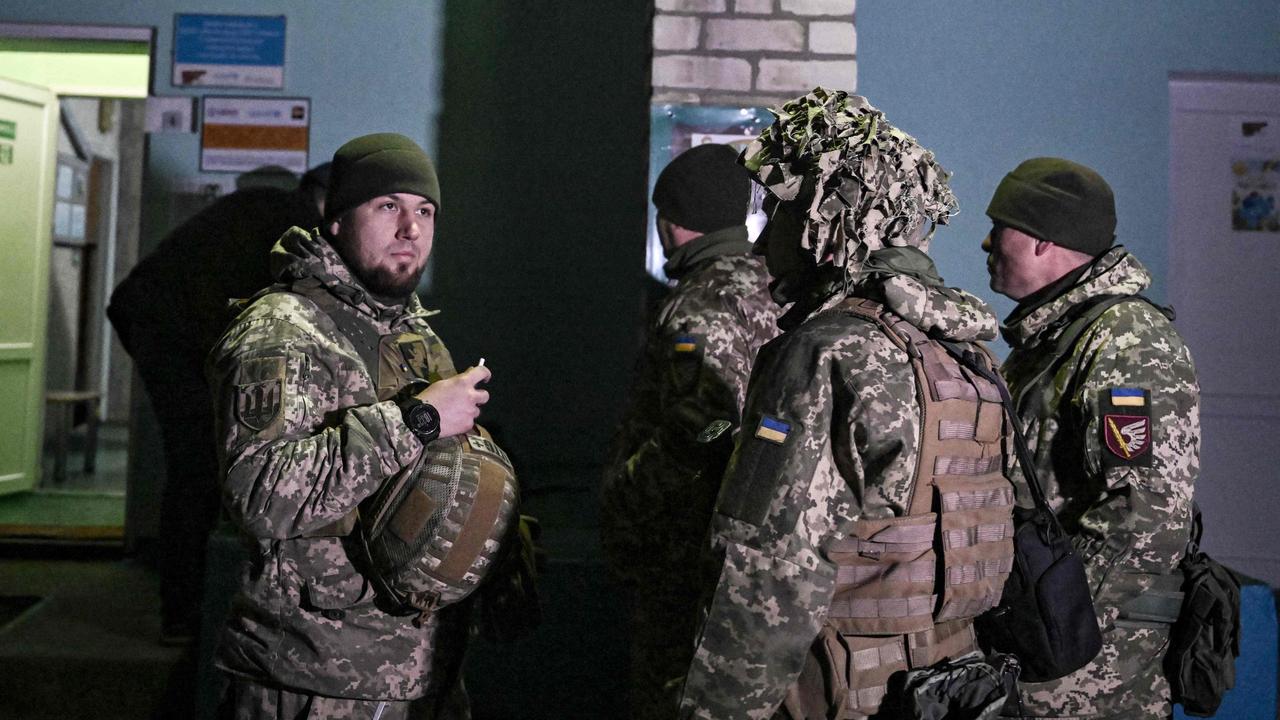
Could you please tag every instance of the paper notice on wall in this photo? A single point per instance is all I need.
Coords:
(1254, 195)
(245, 133)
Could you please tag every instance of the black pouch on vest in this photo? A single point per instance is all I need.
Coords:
(1205, 641)
(1045, 617)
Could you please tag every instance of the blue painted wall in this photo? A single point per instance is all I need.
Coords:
(988, 84)
(371, 66)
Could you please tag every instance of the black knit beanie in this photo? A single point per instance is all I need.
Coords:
(704, 189)
(1059, 201)
(378, 164)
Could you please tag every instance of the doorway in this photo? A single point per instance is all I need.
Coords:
(99, 78)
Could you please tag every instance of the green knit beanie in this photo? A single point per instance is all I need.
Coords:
(378, 164)
(1059, 201)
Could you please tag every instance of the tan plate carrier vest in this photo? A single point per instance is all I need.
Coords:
(908, 587)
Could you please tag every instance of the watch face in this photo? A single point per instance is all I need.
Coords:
(423, 420)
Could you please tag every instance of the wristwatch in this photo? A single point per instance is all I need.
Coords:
(422, 418)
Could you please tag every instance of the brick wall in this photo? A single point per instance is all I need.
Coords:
(751, 52)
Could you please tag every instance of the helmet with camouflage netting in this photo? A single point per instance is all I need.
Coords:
(861, 183)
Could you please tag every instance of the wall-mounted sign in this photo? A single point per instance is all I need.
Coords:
(228, 51)
(245, 133)
(8, 130)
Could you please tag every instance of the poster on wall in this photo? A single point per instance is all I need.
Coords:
(676, 128)
(240, 134)
(1253, 195)
(244, 51)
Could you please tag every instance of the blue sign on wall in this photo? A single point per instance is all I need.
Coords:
(228, 51)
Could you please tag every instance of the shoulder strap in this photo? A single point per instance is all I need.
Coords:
(362, 336)
(1079, 320)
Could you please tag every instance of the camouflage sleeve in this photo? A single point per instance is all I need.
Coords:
(1136, 402)
(297, 453)
(703, 356)
(695, 370)
(786, 495)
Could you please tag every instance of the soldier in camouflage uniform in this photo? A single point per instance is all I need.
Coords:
(305, 439)
(658, 491)
(824, 532)
(1112, 418)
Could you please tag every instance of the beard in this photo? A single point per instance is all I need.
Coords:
(394, 284)
(391, 285)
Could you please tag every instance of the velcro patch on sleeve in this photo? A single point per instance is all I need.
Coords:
(763, 463)
(685, 343)
(260, 387)
(1125, 424)
(773, 429)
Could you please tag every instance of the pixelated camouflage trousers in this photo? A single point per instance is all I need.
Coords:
(247, 700)
(663, 625)
(1125, 680)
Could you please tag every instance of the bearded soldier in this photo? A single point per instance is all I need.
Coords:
(319, 386)
(1108, 395)
(658, 491)
(864, 519)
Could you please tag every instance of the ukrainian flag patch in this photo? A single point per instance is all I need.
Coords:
(773, 430)
(685, 344)
(1128, 397)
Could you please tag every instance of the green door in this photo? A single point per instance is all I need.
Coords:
(28, 151)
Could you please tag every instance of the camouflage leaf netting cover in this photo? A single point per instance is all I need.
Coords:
(863, 183)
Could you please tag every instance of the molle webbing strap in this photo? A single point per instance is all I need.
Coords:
(948, 465)
(874, 657)
(956, 430)
(913, 606)
(920, 571)
(946, 639)
(975, 499)
(964, 574)
(975, 534)
(866, 698)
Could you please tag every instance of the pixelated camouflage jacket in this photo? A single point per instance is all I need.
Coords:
(305, 617)
(843, 398)
(1115, 431)
(661, 483)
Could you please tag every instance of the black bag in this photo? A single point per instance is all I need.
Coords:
(1045, 617)
(1205, 641)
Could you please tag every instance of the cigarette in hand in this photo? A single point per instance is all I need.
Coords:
(481, 363)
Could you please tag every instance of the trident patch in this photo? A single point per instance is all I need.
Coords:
(260, 392)
(258, 404)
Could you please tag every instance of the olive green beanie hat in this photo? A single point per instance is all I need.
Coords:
(378, 164)
(1059, 201)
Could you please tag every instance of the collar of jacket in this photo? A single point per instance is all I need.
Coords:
(300, 255)
(907, 283)
(1115, 272)
(728, 241)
